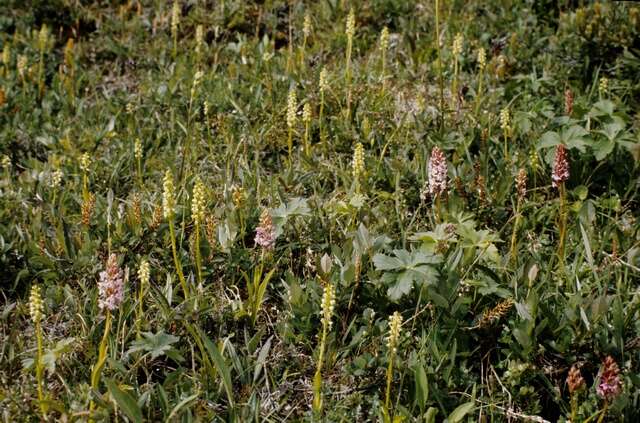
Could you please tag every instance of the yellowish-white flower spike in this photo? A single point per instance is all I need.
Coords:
(603, 86)
(6, 55)
(324, 80)
(168, 197)
(36, 306)
(358, 160)
(306, 113)
(351, 24)
(384, 39)
(144, 272)
(21, 65)
(56, 178)
(307, 27)
(505, 119)
(198, 202)
(482, 58)
(199, 39)
(395, 324)
(328, 305)
(457, 44)
(85, 162)
(175, 18)
(137, 149)
(5, 162)
(43, 38)
(292, 106)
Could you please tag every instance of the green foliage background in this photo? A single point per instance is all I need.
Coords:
(226, 355)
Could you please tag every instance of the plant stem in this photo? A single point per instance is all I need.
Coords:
(439, 63)
(176, 260)
(562, 224)
(102, 357)
(198, 255)
(512, 252)
(387, 396)
(39, 370)
(317, 379)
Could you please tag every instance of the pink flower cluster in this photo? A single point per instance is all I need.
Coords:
(265, 232)
(560, 166)
(437, 172)
(610, 384)
(111, 285)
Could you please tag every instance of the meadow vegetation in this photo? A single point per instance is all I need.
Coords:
(339, 211)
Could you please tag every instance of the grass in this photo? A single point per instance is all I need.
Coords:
(283, 223)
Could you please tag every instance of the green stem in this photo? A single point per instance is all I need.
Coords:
(102, 357)
(439, 63)
(512, 253)
(317, 379)
(198, 256)
(176, 260)
(604, 411)
(39, 370)
(387, 396)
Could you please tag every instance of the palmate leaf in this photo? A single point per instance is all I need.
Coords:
(157, 344)
(406, 269)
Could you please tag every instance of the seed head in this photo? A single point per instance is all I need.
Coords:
(351, 24)
(493, 315)
(198, 202)
(56, 178)
(36, 306)
(328, 304)
(610, 384)
(575, 382)
(306, 26)
(111, 285)
(384, 39)
(87, 208)
(168, 198)
(68, 53)
(324, 80)
(238, 197)
(265, 232)
(457, 44)
(482, 58)
(568, 102)
(395, 324)
(358, 160)
(560, 166)
(437, 172)
(306, 113)
(521, 184)
(144, 272)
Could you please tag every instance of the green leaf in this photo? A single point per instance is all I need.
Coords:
(461, 411)
(422, 385)
(548, 139)
(221, 366)
(157, 344)
(401, 287)
(384, 262)
(125, 401)
(431, 414)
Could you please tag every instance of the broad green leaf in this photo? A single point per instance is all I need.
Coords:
(125, 401)
(156, 344)
(460, 411)
(384, 262)
(422, 385)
